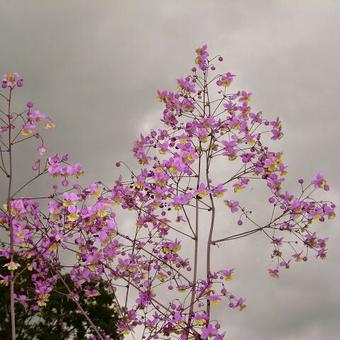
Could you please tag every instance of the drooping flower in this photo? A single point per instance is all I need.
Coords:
(12, 266)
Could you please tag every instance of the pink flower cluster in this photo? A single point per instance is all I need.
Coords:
(11, 80)
(75, 229)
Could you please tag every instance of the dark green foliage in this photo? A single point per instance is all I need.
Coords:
(60, 319)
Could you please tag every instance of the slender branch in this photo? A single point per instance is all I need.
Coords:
(9, 207)
(80, 307)
(29, 182)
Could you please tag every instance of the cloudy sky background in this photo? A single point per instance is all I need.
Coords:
(95, 66)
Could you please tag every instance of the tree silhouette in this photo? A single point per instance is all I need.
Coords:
(60, 318)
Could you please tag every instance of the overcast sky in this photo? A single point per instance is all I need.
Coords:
(95, 66)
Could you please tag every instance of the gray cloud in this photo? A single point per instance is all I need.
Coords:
(95, 68)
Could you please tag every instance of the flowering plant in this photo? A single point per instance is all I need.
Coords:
(212, 147)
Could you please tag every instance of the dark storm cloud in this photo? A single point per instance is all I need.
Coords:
(95, 66)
